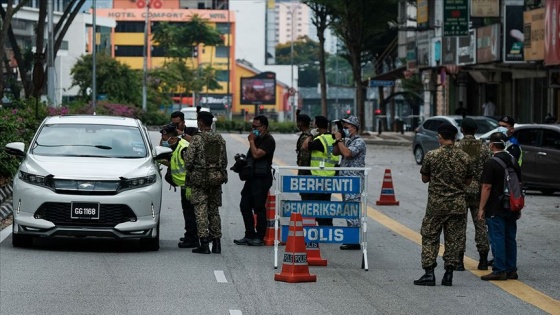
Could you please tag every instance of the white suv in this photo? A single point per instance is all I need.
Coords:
(191, 114)
(88, 176)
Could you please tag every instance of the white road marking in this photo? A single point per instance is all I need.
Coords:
(5, 233)
(220, 276)
(235, 312)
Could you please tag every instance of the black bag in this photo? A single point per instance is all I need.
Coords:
(255, 169)
(169, 178)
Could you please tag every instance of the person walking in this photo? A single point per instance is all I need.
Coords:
(352, 148)
(321, 148)
(170, 138)
(448, 171)
(479, 153)
(255, 190)
(206, 165)
(489, 108)
(502, 224)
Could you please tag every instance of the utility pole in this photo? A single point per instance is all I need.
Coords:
(50, 55)
(94, 57)
(145, 63)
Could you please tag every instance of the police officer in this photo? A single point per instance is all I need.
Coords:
(479, 153)
(448, 170)
(321, 148)
(506, 126)
(206, 164)
(170, 138)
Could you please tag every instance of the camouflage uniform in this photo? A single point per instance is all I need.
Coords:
(206, 162)
(448, 167)
(303, 156)
(479, 153)
(357, 146)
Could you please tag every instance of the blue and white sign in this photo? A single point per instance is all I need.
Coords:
(327, 234)
(321, 184)
(321, 209)
(377, 83)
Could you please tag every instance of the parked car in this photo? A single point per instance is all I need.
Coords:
(91, 176)
(540, 144)
(487, 135)
(425, 137)
(191, 114)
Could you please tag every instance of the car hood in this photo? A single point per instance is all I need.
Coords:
(88, 167)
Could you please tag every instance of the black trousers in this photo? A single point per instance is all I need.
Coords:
(190, 219)
(253, 200)
(322, 197)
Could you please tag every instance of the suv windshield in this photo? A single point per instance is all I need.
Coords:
(190, 115)
(89, 140)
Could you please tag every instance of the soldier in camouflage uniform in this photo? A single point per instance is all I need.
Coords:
(479, 154)
(303, 156)
(206, 164)
(448, 170)
(353, 152)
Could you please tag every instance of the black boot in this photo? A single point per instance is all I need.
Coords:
(429, 278)
(189, 244)
(483, 262)
(204, 247)
(447, 279)
(216, 246)
(461, 265)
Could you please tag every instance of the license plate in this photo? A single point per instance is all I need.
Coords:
(85, 210)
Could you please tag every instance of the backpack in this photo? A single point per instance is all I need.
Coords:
(513, 197)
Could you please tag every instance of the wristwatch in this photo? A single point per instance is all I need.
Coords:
(340, 140)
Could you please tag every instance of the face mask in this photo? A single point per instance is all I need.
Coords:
(165, 144)
(503, 130)
(346, 132)
(256, 132)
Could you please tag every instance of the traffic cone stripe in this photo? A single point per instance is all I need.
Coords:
(297, 233)
(270, 219)
(309, 221)
(387, 197)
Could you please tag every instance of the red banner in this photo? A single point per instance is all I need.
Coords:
(551, 32)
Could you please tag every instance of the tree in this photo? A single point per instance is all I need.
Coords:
(116, 80)
(305, 50)
(353, 23)
(179, 41)
(23, 60)
(322, 13)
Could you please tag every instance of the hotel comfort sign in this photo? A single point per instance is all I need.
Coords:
(163, 14)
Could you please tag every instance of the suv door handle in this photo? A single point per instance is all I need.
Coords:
(541, 153)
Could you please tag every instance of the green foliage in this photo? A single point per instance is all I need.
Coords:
(245, 126)
(116, 80)
(154, 118)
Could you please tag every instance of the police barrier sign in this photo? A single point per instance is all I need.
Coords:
(321, 209)
(327, 234)
(321, 184)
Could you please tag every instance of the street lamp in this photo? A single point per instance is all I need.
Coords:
(291, 10)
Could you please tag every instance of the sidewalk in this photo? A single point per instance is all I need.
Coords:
(389, 138)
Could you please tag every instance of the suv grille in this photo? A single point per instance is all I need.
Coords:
(109, 215)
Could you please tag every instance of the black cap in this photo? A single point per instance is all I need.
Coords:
(508, 120)
(304, 118)
(321, 121)
(205, 117)
(469, 123)
(169, 129)
(447, 129)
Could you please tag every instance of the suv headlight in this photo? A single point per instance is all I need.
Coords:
(39, 180)
(138, 182)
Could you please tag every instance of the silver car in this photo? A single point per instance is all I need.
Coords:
(88, 176)
(425, 137)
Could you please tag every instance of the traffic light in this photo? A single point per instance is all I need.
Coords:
(347, 112)
(261, 109)
(195, 51)
(377, 112)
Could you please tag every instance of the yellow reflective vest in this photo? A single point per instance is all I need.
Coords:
(178, 170)
(324, 158)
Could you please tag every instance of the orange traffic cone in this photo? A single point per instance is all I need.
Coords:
(270, 214)
(387, 197)
(294, 265)
(313, 251)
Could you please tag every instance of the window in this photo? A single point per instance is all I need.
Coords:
(129, 51)
(222, 75)
(129, 27)
(223, 28)
(527, 136)
(158, 51)
(222, 51)
(551, 139)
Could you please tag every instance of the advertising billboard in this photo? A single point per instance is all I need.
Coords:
(466, 49)
(513, 34)
(533, 30)
(485, 8)
(259, 89)
(488, 43)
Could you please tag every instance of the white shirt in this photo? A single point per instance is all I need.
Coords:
(489, 108)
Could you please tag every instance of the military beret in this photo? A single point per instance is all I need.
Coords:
(304, 118)
(205, 117)
(169, 129)
(447, 129)
(508, 120)
(469, 123)
(321, 121)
